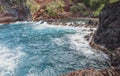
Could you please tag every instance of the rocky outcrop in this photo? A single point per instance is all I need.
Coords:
(14, 11)
(108, 32)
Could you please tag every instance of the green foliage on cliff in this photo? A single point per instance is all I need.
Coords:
(97, 12)
(100, 4)
(82, 6)
(54, 8)
(74, 8)
(93, 5)
(79, 7)
(111, 1)
(18, 1)
(32, 5)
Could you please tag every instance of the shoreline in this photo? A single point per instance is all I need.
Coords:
(7, 20)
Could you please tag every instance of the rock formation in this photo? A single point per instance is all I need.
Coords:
(113, 71)
(108, 32)
(14, 11)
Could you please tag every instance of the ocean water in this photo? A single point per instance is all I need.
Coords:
(34, 49)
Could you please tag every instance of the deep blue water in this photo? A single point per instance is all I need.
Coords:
(34, 49)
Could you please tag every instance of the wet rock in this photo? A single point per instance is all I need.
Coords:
(112, 71)
(93, 23)
(88, 36)
(115, 57)
(91, 30)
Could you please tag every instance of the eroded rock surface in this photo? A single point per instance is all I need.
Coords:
(113, 71)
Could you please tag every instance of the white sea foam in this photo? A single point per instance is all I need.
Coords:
(18, 22)
(82, 46)
(78, 22)
(9, 60)
(44, 25)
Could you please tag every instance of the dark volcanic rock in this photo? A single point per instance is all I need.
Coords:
(115, 57)
(108, 33)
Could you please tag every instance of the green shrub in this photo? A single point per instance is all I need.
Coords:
(32, 5)
(74, 8)
(54, 8)
(82, 7)
(112, 1)
(79, 7)
(86, 2)
(18, 1)
(86, 13)
(97, 12)
(94, 4)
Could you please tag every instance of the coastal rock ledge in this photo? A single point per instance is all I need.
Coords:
(107, 39)
(107, 35)
(113, 71)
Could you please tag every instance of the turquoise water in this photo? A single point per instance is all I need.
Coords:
(34, 49)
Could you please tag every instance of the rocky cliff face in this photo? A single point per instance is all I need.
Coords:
(108, 33)
(14, 11)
